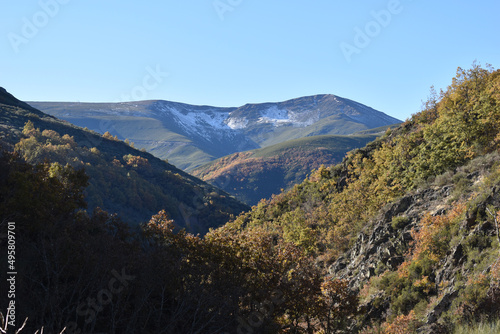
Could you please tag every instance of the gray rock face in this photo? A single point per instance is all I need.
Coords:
(382, 246)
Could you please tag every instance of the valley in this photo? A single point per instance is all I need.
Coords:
(399, 236)
(258, 174)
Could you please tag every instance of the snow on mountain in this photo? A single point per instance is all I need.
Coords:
(209, 132)
(279, 117)
(205, 122)
(210, 122)
(304, 118)
(275, 116)
(237, 123)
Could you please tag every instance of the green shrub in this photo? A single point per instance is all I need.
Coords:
(462, 185)
(381, 268)
(444, 179)
(406, 300)
(467, 304)
(478, 241)
(399, 222)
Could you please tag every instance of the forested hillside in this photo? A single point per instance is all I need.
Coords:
(134, 184)
(401, 237)
(253, 175)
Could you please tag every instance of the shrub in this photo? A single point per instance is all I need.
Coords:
(399, 222)
(444, 179)
(403, 324)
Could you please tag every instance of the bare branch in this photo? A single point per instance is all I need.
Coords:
(24, 324)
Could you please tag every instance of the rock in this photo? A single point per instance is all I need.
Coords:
(458, 255)
(383, 247)
(395, 262)
(441, 306)
(407, 237)
(376, 306)
(470, 218)
(487, 228)
(400, 206)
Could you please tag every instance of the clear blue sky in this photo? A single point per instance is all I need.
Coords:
(246, 51)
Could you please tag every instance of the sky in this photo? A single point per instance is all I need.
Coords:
(385, 54)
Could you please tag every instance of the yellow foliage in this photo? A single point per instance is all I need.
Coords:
(136, 161)
(108, 135)
(424, 284)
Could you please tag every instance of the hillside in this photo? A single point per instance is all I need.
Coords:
(122, 180)
(190, 136)
(408, 224)
(258, 174)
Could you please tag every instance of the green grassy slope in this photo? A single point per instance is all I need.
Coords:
(154, 135)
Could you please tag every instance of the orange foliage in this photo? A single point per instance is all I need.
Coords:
(426, 241)
(339, 303)
(403, 324)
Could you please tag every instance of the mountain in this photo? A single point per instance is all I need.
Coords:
(253, 175)
(190, 136)
(122, 179)
(273, 123)
(402, 236)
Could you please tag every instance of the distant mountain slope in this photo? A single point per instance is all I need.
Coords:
(124, 180)
(190, 136)
(183, 134)
(253, 175)
(272, 123)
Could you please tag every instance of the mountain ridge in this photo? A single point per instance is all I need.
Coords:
(190, 136)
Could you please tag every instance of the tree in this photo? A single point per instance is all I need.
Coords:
(338, 305)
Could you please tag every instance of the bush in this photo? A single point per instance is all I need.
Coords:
(462, 185)
(444, 179)
(399, 222)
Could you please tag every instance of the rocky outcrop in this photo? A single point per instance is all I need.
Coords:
(383, 244)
